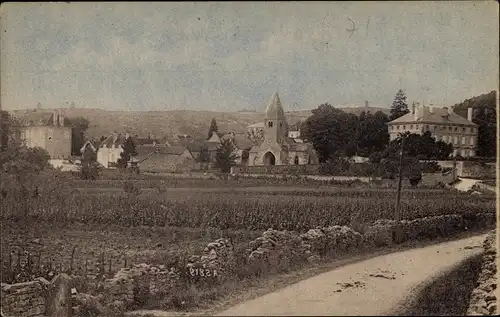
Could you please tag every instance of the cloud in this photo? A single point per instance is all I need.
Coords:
(226, 55)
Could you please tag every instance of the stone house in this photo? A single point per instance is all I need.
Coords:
(110, 149)
(444, 125)
(161, 158)
(277, 148)
(49, 131)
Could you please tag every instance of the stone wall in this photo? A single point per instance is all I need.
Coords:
(37, 298)
(483, 300)
(273, 252)
(24, 299)
(280, 169)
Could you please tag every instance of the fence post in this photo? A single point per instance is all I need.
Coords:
(71, 262)
(18, 268)
(28, 265)
(10, 273)
(102, 263)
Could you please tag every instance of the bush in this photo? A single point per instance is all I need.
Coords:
(130, 188)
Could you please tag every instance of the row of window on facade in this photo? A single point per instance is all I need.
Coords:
(463, 152)
(450, 139)
(50, 135)
(430, 128)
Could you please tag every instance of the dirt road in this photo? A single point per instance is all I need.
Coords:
(371, 287)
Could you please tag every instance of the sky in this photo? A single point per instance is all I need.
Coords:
(234, 55)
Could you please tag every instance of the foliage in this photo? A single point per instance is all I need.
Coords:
(399, 106)
(22, 161)
(330, 130)
(204, 155)
(129, 151)
(90, 167)
(225, 156)
(255, 136)
(213, 128)
(431, 167)
(372, 135)
(424, 147)
(4, 130)
(79, 127)
(484, 115)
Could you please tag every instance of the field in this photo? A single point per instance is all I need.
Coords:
(77, 223)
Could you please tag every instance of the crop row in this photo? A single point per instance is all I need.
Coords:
(227, 211)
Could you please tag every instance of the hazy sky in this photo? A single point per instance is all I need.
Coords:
(227, 56)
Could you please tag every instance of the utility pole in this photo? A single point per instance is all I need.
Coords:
(400, 178)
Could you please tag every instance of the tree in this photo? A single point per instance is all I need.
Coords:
(129, 151)
(204, 156)
(213, 128)
(255, 136)
(485, 116)
(225, 156)
(330, 131)
(372, 135)
(89, 168)
(4, 130)
(423, 147)
(79, 127)
(399, 106)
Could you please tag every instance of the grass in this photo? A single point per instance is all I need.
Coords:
(447, 295)
(162, 224)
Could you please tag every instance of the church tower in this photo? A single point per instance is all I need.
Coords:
(276, 127)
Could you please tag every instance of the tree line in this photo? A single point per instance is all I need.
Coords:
(335, 133)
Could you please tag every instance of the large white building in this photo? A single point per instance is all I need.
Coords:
(444, 125)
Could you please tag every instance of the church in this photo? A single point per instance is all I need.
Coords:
(277, 148)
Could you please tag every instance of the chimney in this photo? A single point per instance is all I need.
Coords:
(61, 120)
(55, 118)
(418, 111)
(413, 108)
(366, 104)
(450, 110)
(431, 108)
(469, 114)
(127, 135)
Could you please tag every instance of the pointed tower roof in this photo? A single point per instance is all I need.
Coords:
(274, 110)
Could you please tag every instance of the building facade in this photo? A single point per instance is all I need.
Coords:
(277, 148)
(110, 149)
(444, 125)
(49, 131)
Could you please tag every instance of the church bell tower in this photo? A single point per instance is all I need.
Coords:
(276, 128)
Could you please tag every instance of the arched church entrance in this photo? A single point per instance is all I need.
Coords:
(269, 159)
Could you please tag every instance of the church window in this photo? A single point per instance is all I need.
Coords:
(270, 124)
(296, 160)
(281, 124)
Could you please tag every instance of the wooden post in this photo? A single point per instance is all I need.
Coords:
(71, 263)
(397, 215)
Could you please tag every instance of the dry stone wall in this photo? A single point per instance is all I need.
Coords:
(37, 298)
(483, 300)
(24, 299)
(275, 251)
